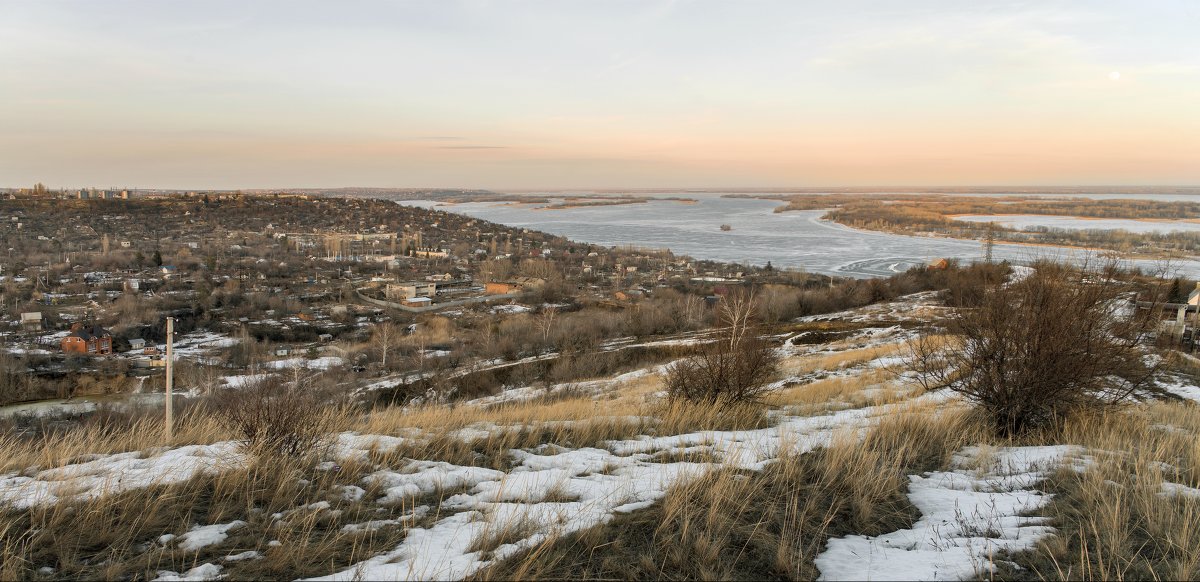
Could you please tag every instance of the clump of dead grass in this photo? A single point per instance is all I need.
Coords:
(1114, 518)
(54, 449)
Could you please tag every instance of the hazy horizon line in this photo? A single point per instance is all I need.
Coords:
(780, 189)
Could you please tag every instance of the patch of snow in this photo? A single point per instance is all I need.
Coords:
(48, 409)
(199, 343)
(901, 308)
(105, 474)
(322, 363)
(375, 524)
(1182, 388)
(245, 380)
(250, 555)
(201, 572)
(350, 445)
(202, 536)
(592, 387)
(1019, 273)
(425, 477)
(353, 493)
(513, 308)
(887, 362)
(1177, 490)
(966, 517)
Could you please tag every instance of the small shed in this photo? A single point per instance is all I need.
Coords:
(418, 302)
(31, 320)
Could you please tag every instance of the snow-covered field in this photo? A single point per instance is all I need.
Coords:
(985, 503)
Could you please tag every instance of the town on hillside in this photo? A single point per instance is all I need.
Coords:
(262, 280)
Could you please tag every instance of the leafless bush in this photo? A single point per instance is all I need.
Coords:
(291, 418)
(1039, 349)
(733, 370)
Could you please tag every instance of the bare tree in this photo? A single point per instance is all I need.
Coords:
(737, 311)
(735, 369)
(693, 310)
(386, 335)
(1041, 348)
(545, 322)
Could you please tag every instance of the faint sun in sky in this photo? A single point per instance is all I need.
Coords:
(1115, 76)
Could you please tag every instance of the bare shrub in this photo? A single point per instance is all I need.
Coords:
(1042, 348)
(277, 417)
(734, 369)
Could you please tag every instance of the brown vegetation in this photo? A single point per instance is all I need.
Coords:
(732, 370)
(276, 417)
(1045, 347)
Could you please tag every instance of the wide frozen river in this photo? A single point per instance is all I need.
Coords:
(787, 239)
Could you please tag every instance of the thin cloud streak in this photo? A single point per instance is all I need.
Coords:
(472, 147)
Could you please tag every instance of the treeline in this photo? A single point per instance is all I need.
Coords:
(953, 205)
(586, 339)
(933, 214)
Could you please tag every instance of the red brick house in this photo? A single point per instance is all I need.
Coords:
(87, 339)
(500, 288)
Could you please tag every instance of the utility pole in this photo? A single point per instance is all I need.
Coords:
(168, 423)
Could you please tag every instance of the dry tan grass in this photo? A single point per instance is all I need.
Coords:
(870, 388)
(731, 524)
(678, 417)
(441, 418)
(59, 448)
(839, 359)
(1113, 519)
(470, 435)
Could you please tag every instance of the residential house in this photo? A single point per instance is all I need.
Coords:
(1194, 297)
(87, 339)
(500, 288)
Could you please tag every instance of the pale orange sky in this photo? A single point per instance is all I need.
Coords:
(540, 95)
